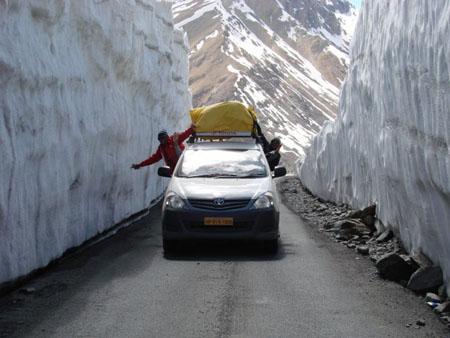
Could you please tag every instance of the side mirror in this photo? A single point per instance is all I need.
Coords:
(164, 172)
(279, 172)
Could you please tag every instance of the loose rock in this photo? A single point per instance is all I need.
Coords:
(420, 322)
(425, 279)
(328, 225)
(321, 208)
(350, 227)
(369, 211)
(432, 297)
(421, 260)
(342, 237)
(394, 267)
(442, 308)
(369, 221)
(363, 249)
(385, 236)
(28, 290)
(344, 225)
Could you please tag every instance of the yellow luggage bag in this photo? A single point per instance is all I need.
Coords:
(230, 117)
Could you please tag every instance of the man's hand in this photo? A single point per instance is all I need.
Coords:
(135, 166)
(193, 127)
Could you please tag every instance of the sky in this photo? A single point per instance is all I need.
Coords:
(357, 3)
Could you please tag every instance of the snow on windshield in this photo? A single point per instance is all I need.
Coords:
(222, 163)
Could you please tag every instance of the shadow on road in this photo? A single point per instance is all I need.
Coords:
(225, 251)
(95, 270)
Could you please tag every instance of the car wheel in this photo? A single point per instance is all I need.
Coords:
(170, 246)
(271, 246)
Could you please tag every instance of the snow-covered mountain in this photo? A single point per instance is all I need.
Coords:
(390, 143)
(288, 58)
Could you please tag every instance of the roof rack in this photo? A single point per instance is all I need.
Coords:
(220, 136)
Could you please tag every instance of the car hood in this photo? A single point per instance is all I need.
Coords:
(228, 188)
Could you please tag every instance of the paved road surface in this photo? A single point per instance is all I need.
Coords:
(124, 287)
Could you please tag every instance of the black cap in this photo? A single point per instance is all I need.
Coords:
(163, 133)
(275, 142)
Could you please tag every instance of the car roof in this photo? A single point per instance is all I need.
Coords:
(248, 145)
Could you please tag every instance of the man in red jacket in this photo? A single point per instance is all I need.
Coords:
(170, 148)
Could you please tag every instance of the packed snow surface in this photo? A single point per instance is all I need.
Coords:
(84, 88)
(390, 142)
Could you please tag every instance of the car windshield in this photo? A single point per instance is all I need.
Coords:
(222, 163)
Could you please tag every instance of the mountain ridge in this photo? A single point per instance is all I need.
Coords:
(287, 58)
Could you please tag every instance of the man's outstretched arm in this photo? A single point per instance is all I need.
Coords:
(185, 134)
(262, 138)
(157, 156)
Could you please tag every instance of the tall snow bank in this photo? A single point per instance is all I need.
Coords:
(84, 87)
(390, 142)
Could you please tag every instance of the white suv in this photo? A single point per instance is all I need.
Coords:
(221, 190)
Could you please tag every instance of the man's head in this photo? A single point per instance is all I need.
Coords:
(275, 143)
(163, 136)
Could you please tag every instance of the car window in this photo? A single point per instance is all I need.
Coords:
(247, 163)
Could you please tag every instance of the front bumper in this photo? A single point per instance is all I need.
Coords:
(249, 224)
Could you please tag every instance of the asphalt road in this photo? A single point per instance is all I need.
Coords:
(124, 287)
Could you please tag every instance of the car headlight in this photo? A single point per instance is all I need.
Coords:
(174, 201)
(264, 202)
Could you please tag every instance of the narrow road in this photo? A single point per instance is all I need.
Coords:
(124, 287)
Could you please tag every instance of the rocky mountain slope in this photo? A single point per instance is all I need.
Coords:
(288, 58)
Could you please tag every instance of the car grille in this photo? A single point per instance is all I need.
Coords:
(238, 225)
(227, 204)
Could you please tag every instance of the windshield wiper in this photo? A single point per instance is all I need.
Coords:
(252, 176)
(213, 175)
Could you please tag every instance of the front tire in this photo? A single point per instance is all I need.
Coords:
(271, 246)
(170, 246)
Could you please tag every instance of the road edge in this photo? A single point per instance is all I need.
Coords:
(7, 287)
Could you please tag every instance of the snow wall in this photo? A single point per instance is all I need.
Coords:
(389, 144)
(85, 86)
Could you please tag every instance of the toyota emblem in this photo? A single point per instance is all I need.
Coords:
(219, 202)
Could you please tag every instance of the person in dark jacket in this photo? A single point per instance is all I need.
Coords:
(271, 150)
(273, 155)
(169, 149)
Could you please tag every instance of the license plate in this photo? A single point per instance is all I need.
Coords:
(221, 221)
